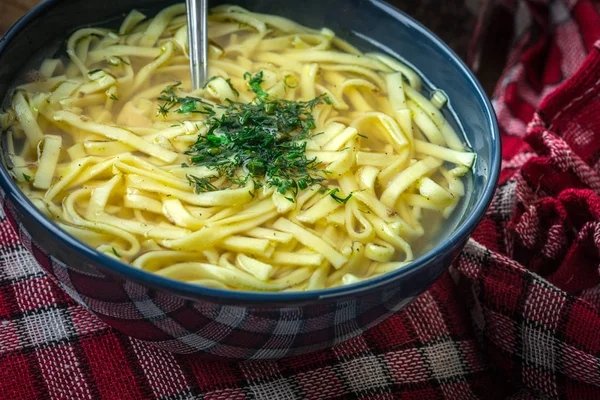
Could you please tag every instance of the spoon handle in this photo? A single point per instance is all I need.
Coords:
(197, 11)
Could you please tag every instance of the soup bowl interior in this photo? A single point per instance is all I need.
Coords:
(185, 318)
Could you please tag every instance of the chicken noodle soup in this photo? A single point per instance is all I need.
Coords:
(302, 163)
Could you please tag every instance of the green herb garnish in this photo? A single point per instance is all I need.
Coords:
(234, 90)
(228, 80)
(92, 72)
(115, 252)
(163, 110)
(113, 97)
(341, 200)
(255, 83)
(27, 177)
(187, 104)
(261, 140)
(187, 107)
(201, 184)
(212, 78)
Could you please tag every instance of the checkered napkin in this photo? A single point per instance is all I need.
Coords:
(517, 317)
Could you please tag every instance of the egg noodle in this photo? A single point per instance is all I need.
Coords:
(112, 144)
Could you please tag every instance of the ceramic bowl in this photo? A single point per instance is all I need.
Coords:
(184, 318)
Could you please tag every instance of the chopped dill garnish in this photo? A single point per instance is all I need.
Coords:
(201, 184)
(260, 141)
(115, 252)
(228, 80)
(212, 78)
(362, 136)
(341, 200)
(234, 90)
(113, 97)
(184, 165)
(92, 72)
(255, 83)
(168, 93)
(187, 104)
(27, 177)
(163, 110)
(187, 107)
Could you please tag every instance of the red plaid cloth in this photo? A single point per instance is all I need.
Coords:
(520, 319)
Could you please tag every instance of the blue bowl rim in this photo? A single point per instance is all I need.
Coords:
(194, 291)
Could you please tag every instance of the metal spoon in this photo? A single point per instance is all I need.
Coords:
(197, 11)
